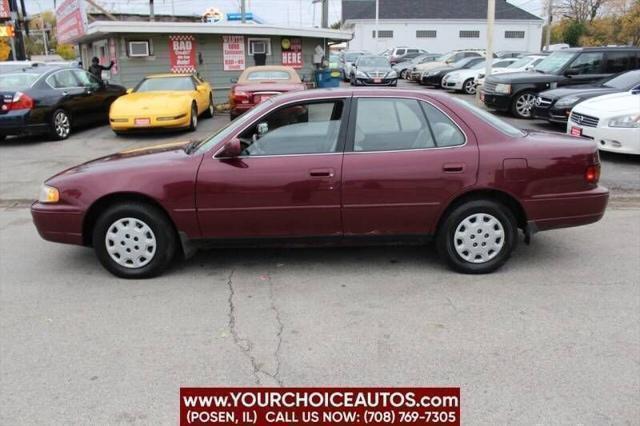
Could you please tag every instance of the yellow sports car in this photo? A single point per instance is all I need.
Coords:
(162, 101)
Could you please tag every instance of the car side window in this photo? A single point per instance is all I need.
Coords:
(400, 52)
(620, 61)
(445, 132)
(86, 79)
(384, 124)
(62, 80)
(502, 64)
(310, 128)
(588, 63)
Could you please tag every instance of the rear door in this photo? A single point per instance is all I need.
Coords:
(404, 159)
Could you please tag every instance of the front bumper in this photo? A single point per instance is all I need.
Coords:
(451, 84)
(552, 114)
(124, 123)
(19, 123)
(496, 101)
(432, 80)
(554, 211)
(58, 223)
(611, 139)
(372, 82)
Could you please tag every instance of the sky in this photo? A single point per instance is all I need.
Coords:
(276, 12)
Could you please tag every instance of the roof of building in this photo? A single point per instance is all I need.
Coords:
(99, 29)
(430, 9)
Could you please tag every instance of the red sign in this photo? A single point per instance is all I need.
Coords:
(182, 53)
(292, 52)
(5, 12)
(71, 21)
(325, 406)
(233, 53)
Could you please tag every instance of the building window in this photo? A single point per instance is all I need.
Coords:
(139, 48)
(514, 34)
(259, 46)
(469, 34)
(382, 34)
(425, 34)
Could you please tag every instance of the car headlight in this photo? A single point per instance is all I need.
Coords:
(503, 88)
(392, 74)
(430, 73)
(630, 121)
(49, 194)
(361, 74)
(567, 101)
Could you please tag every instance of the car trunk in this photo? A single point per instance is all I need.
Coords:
(259, 92)
(5, 100)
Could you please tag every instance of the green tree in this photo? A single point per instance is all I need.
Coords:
(573, 32)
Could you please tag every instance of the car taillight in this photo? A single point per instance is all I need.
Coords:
(592, 174)
(240, 97)
(20, 101)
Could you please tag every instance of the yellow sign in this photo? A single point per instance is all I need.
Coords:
(6, 31)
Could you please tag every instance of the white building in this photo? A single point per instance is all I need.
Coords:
(439, 25)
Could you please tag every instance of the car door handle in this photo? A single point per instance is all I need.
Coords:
(453, 167)
(321, 172)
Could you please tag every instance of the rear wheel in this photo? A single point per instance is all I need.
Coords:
(134, 240)
(477, 237)
(60, 125)
(210, 108)
(193, 120)
(468, 87)
(523, 104)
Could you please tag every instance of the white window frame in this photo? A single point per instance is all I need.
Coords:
(131, 55)
(266, 40)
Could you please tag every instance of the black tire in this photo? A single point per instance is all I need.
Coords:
(446, 239)
(2, 137)
(119, 133)
(155, 219)
(232, 117)
(210, 111)
(517, 110)
(193, 118)
(403, 74)
(60, 125)
(468, 87)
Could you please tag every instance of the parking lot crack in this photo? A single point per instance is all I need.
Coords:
(280, 329)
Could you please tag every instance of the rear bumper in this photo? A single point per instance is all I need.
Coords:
(19, 123)
(566, 210)
(60, 224)
(495, 101)
(371, 82)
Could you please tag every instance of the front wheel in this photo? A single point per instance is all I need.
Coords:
(134, 240)
(477, 237)
(210, 108)
(60, 125)
(193, 122)
(469, 87)
(523, 104)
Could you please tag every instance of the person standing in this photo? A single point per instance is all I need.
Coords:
(96, 69)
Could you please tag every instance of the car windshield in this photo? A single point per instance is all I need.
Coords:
(522, 62)
(554, 62)
(373, 61)
(206, 144)
(165, 83)
(268, 75)
(490, 119)
(624, 81)
(479, 65)
(17, 81)
(443, 58)
(351, 57)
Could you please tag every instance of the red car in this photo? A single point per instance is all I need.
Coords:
(346, 166)
(257, 84)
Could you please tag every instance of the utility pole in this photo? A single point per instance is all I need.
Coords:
(325, 14)
(491, 16)
(549, 19)
(243, 11)
(376, 24)
(152, 16)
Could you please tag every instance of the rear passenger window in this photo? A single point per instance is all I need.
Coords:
(620, 61)
(445, 132)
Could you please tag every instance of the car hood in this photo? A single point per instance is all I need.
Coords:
(614, 103)
(374, 69)
(581, 92)
(524, 77)
(465, 73)
(137, 157)
(429, 65)
(270, 87)
(139, 102)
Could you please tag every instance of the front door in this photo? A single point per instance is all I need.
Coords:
(405, 159)
(286, 182)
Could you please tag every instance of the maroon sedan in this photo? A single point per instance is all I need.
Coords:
(257, 84)
(346, 166)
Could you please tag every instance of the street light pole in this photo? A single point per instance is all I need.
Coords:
(491, 16)
(549, 18)
(376, 25)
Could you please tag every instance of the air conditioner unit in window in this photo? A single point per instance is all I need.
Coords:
(139, 48)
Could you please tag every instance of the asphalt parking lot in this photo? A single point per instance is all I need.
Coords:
(553, 337)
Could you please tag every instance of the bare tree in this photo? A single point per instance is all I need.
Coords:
(582, 10)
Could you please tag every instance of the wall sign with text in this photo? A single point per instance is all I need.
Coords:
(292, 52)
(182, 53)
(233, 53)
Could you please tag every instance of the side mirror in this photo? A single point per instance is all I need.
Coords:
(570, 72)
(232, 148)
(233, 80)
(129, 90)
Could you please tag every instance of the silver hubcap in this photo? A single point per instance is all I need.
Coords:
(469, 87)
(130, 242)
(524, 104)
(194, 118)
(211, 108)
(479, 238)
(61, 123)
